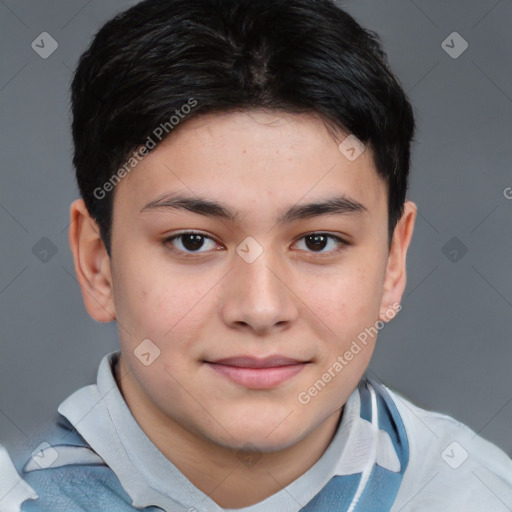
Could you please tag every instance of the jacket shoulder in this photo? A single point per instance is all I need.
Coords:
(450, 466)
(59, 473)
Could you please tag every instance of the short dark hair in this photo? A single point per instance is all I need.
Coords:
(289, 55)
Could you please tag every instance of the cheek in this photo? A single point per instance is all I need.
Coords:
(348, 300)
(142, 301)
(154, 304)
(349, 306)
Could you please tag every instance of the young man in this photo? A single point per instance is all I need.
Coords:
(243, 169)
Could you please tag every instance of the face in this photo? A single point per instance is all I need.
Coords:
(252, 301)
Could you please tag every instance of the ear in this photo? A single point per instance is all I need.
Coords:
(92, 263)
(396, 275)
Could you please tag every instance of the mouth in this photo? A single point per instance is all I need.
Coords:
(257, 373)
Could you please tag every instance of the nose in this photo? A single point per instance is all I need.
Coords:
(259, 296)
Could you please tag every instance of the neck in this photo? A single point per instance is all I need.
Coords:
(231, 478)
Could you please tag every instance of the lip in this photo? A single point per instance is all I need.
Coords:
(258, 373)
(258, 362)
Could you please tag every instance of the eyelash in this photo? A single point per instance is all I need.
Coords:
(168, 243)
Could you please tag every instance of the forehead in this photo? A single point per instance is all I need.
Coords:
(252, 161)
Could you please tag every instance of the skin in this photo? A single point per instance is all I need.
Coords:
(308, 302)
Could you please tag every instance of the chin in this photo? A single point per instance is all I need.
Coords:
(259, 444)
(264, 439)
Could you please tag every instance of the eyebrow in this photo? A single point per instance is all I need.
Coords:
(342, 205)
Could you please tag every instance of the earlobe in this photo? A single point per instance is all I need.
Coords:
(396, 274)
(92, 263)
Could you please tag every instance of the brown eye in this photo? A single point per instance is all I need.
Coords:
(317, 242)
(190, 242)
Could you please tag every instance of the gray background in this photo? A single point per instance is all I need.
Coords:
(448, 350)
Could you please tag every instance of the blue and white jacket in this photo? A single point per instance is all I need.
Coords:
(387, 456)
